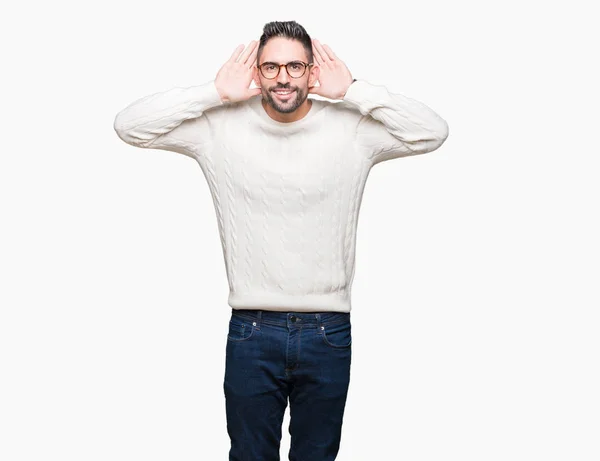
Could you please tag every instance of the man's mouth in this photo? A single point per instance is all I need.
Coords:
(283, 93)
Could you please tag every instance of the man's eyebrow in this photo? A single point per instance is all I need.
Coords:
(272, 62)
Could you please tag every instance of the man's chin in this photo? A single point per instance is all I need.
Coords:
(284, 107)
(285, 110)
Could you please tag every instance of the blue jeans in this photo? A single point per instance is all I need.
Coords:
(272, 356)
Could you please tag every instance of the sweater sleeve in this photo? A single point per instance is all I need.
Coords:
(172, 120)
(394, 125)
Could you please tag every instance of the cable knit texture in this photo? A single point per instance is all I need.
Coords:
(286, 195)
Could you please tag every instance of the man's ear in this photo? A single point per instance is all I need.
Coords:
(255, 76)
(314, 75)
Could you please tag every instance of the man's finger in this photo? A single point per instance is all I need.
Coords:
(322, 53)
(317, 55)
(330, 52)
(253, 56)
(236, 53)
(249, 49)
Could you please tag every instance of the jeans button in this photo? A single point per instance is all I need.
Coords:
(293, 318)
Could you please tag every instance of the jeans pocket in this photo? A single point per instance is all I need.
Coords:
(240, 329)
(338, 335)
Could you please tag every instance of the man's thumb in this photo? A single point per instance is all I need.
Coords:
(254, 92)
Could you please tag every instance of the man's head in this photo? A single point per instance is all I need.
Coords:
(285, 43)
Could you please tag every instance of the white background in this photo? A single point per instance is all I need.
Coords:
(475, 300)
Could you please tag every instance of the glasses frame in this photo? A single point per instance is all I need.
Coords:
(306, 66)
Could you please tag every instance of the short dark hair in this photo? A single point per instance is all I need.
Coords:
(287, 29)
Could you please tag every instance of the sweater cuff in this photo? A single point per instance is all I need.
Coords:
(209, 95)
(364, 95)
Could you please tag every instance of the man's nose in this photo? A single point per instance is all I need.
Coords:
(283, 75)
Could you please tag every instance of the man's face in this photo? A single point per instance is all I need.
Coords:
(281, 50)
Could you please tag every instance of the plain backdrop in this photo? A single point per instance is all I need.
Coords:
(475, 303)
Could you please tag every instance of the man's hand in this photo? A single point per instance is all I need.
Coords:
(234, 78)
(334, 76)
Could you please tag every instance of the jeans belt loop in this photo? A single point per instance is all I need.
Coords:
(318, 316)
(258, 319)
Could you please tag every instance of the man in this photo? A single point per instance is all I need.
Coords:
(286, 173)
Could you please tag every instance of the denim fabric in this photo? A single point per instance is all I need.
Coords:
(275, 356)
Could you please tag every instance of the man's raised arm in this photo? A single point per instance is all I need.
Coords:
(169, 120)
(175, 120)
(394, 125)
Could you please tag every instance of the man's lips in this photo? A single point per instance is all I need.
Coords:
(284, 94)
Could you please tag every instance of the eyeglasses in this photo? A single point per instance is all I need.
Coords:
(295, 69)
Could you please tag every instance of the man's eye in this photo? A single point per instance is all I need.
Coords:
(270, 67)
(296, 66)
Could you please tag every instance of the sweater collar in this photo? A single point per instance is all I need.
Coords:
(256, 105)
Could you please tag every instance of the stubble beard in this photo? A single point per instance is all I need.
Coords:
(285, 107)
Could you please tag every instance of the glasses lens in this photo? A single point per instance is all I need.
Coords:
(295, 69)
(269, 70)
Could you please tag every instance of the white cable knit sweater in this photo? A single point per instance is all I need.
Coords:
(286, 195)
